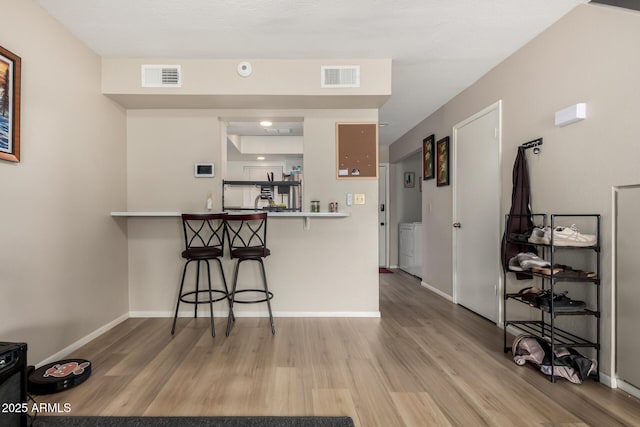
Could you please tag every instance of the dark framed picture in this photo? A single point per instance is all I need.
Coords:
(10, 66)
(409, 179)
(428, 171)
(442, 162)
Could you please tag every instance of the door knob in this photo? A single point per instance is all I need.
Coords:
(456, 225)
(382, 223)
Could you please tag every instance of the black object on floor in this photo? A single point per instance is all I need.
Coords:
(52, 421)
(58, 376)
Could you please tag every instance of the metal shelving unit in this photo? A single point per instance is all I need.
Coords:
(294, 200)
(546, 327)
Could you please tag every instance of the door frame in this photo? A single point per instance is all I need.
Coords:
(497, 106)
(386, 212)
(614, 382)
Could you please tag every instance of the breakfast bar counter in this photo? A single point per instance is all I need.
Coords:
(307, 267)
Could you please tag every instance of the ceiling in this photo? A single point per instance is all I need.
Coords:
(438, 47)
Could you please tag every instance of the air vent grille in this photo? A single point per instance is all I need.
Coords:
(161, 76)
(340, 76)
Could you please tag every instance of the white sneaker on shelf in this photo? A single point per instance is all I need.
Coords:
(540, 236)
(528, 260)
(570, 236)
(514, 264)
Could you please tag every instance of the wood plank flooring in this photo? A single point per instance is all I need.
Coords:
(426, 362)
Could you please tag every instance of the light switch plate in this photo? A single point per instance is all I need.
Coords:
(358, 199)
(349, 199)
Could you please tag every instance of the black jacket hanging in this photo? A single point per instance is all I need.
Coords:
(520, 213)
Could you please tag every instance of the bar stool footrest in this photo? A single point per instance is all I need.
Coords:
(205, 301)
(270, 296)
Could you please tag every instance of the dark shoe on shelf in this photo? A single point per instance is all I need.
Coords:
(575, 274)
(561, 304)
(529, 293)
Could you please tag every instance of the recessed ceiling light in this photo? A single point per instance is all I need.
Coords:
(260, 157)
(265, 123)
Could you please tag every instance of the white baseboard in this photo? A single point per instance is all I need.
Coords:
(437, 291)
(393, 266)
(628, 388)
(149, 314)
(221, 313)
(326, 314)
(608, 381)
(82, 341)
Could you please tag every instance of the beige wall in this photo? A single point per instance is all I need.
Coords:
(63, 259)
(591, 56)
(330, 268)
(409, 207)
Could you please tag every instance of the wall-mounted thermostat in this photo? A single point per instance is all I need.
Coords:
(203, 170)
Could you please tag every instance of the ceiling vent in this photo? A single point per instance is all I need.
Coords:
(340, 76)
(161, 76)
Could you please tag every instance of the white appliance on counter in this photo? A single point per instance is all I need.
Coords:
(410, 247)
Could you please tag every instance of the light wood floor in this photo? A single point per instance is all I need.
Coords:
(426, 362)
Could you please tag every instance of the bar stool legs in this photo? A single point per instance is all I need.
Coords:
(182, 297)
(265, 290)
(268, 296)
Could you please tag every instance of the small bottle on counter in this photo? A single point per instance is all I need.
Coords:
(209, 202)
(315, 206)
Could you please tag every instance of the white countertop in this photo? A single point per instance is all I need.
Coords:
(270, 214)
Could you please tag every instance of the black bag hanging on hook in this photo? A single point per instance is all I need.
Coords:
(520, 221)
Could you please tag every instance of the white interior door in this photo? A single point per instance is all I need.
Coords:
(476, 232)
(383, 227)
(628, 291)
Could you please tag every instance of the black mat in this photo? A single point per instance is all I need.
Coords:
(47, 421)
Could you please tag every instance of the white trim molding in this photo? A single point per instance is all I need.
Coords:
(436, 291)
(225, 313)
(84, 340)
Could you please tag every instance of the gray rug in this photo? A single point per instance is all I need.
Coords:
(45, 421)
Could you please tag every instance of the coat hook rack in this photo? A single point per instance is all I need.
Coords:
(535, 144)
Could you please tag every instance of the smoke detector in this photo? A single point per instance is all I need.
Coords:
(244, 69)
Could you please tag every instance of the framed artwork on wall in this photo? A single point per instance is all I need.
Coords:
(428, 171)
(10, 66)
(409, 179)
(442, 162)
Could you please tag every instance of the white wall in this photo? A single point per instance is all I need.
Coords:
(63, 258)
(591, 56)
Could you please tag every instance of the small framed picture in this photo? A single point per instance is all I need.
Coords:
(427, 157)
(442, 162)
(10, 67)
(409, 179)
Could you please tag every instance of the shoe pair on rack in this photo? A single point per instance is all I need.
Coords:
(526, 261)
(561, 302)
(562, 236)
(562, 271)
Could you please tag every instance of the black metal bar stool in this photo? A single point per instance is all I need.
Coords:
(248, 242)
(204, 241)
